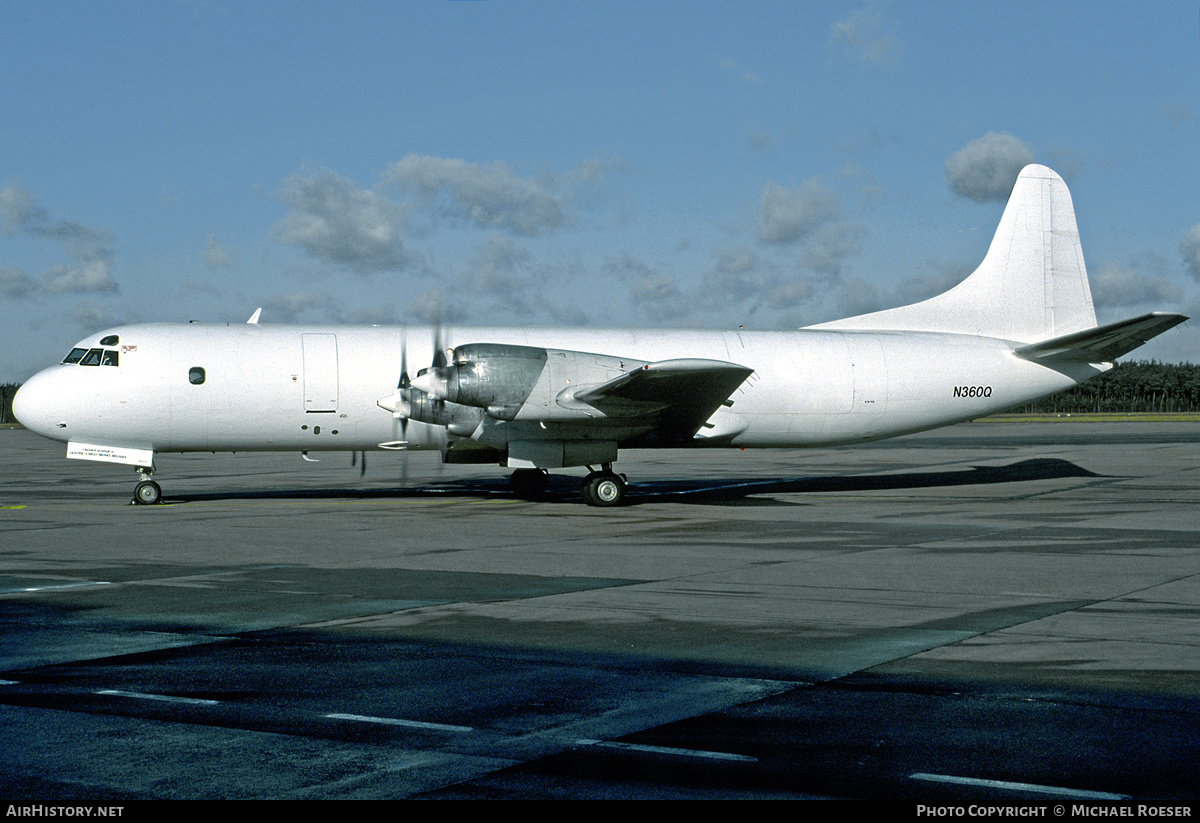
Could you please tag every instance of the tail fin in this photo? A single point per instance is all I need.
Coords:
(1031, 286)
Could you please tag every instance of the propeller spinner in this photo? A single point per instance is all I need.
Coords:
(410, 392)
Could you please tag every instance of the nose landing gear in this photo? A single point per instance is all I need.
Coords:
(146, 492)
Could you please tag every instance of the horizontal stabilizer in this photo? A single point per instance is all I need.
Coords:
(1103, 344)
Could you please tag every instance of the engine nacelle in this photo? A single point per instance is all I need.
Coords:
(503, 379)
(493, 376)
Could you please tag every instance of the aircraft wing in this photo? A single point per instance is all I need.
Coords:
(496, 393)
(1104, 343)
(684, 393)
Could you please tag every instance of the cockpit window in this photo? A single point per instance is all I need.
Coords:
(93, 357)
(110, 340)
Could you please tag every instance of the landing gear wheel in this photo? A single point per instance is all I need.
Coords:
(528, 483)
(147, 493)
(603, 489)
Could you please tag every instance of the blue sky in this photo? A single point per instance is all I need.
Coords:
(709, 164)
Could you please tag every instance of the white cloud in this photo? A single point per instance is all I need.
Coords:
(499, 283)
(654, 294)
(1114, 285)
(16, 284)
(858, 296)
(761, 139)
(749, 78)
(435, 307)
(789, 215)
(830, 245)
(940, 277)
(1177, 115)
(499, 271)
(658, 296)
(91, 315)
(335, 221)
(17, 210)
(90, 276)
(791, 291)
(987, 167)
(90, 249)
(1189, 247)
(1066, 161)
(293, 307)
(215, 255)
(737, 274)
(743, 283)
(489, 195)
(868, 37)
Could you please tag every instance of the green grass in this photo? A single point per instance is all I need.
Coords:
(1094, 417)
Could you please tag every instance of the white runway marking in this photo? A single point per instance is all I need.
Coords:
(1020, 787)
(62, 586)
(165, 698)
(634, 747)
(395, 721)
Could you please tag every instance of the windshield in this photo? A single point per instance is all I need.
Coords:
(93, 357)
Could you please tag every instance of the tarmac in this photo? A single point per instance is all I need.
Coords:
(994, 612)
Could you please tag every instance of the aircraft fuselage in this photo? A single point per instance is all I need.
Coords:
(209, 387)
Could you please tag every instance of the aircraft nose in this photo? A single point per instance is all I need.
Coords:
(37, 407)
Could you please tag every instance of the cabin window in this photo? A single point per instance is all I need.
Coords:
(111, 340)
(75, 356)
(195, 375)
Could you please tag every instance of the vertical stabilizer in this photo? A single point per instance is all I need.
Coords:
(1032, 284)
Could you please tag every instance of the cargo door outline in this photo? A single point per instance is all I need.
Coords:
(320, 373)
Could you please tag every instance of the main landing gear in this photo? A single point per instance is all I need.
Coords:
(146, 492)
(529, 484)
(603, 488)
(600, 488)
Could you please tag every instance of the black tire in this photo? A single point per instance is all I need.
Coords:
(147, 493)
(528, 483)
(603, 489)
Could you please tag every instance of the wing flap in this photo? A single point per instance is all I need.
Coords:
(1102, 344)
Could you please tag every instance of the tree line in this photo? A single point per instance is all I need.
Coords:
(1136, 386)
(7, 390)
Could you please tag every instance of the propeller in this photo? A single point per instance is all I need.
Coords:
(404, 408)
(439, 350)
(402, 400)
(432, 381)
(402, 413)
(398, 403)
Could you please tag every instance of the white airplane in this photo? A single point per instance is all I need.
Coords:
(1021, 327)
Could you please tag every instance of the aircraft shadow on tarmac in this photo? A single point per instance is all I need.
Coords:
(731, 491)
